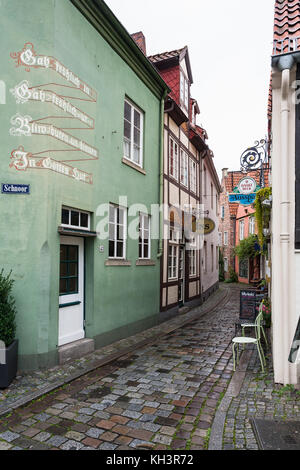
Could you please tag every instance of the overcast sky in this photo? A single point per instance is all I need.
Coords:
(230, 45)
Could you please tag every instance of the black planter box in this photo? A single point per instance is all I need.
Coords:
(8, 371)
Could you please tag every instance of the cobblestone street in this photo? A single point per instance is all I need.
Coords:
(162, 396)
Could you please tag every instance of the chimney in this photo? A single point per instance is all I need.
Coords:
(224, 172)
(139, 38)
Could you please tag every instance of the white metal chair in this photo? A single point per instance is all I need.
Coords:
(252, 325)
(247, 340)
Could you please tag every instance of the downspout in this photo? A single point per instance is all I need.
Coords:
(161, 175)
(285, 64)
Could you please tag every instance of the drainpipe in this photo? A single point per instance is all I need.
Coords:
(285, 65)
(161, 175)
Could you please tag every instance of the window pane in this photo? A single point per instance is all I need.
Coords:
(136, 154)
(75, 218)
(111, 248)
(73, 284)
(146, 251)
(127, 111)
(72, 253)
(65, 216)
(127, 129)
(120, 216)
(126, 149)
(136, 136)
(137, 119)
(62, 286)
(63, 252)
(84, 220)
(120, 249)
(111, 231)
(72, 269)
(111, 213)
(120, 232)
(63, 269)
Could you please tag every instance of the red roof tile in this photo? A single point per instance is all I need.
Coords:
(286, 26)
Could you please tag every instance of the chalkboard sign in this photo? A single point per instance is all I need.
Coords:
(248, 303)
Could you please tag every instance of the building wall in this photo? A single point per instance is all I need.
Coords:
(118, 298)
(211, 276)
(285, 259)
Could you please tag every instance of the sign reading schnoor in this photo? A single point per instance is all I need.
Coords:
(8, 188)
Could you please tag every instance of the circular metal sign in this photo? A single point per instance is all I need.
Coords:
(206, 226)
(247, 186)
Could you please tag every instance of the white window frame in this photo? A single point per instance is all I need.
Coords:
(184, 168)
(131, 143)
(173, 156)
(225, 238)
(193, 176)
(71, 209)
(226, 265)
(184, 90)
(251, 225)
(115, 224)
(242, 229)
(173, 261)
(144, 234)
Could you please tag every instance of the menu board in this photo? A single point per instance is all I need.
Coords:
(248, 305)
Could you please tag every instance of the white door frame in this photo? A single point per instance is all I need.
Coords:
(71, 316)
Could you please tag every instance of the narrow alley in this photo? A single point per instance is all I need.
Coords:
(162, 396)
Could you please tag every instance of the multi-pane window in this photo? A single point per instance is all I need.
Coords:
(225, 238)
(193, 176)
(75, 218)
(68, 279)
(173, 262)
(226, 265)
(117, 232)
(242, 229)
(192, 259)
(243, 268)
(144, 236)
(252, 225)
(133, 133)
(184, 168)
(173, 159)
(184, 90)
(222, 212)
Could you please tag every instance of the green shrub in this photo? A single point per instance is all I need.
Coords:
(7, 310)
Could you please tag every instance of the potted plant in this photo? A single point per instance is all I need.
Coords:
(266, 308)
(8, 343)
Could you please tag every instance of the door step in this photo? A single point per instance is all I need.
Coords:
(75, 350)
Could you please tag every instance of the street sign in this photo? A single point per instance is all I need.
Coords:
(8, 188)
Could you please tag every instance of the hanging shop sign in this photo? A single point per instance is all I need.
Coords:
(8, 188)
(205, 226)
(247, 186)
(244, 199)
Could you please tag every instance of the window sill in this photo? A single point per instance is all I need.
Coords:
(117, 262)
(133, 165)
(145, 262)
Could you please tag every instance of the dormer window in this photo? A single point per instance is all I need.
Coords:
(184, 90)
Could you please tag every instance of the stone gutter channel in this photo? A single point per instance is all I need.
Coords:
(110, 353)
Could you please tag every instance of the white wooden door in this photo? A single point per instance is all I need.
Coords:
(71, 290)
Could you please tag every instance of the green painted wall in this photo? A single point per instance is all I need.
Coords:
(29, 245)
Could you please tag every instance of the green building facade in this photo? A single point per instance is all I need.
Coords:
(81, 126)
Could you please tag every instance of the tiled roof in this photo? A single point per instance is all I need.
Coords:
(166, 55)
(140, 40)
(286, 26)
(172, 78)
